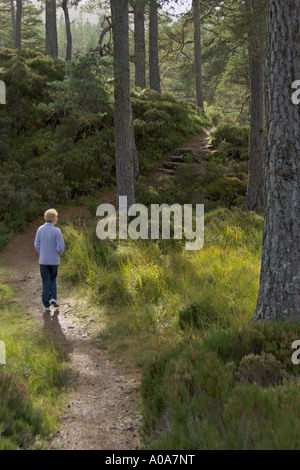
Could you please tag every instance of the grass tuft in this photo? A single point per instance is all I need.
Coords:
(32, 381)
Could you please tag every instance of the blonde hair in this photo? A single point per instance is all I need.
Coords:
(50, 214)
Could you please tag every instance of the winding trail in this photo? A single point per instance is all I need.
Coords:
(101, 411)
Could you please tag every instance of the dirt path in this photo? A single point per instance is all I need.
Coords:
(101, 413)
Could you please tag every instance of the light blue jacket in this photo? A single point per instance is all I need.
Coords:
(49, 243)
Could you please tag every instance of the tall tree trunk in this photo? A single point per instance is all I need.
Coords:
(153, 48)
(51, 29)
(279, 293)
(64, 6)
(13, 18)
(122, 108)
(256, 42)
(18, 36)
(136, 169)
(198, 54)
(139, 44)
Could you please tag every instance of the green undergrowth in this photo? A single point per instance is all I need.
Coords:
(209, 380)
(57, 133)
(236, 389)
(151, 293)
(33, 379)
(214, 184)
(230, 141)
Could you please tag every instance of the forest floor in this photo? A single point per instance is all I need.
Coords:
(101, 411)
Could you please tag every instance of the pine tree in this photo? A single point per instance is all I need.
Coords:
(65, 8)
(139, 43)
(18, 27)
(279, 292)
(29, 25)
(122, 107)
(256, 10)
(51, 29)
(154, 72)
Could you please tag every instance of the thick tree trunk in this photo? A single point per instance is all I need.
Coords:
(139, 44)
(51, 29)
(256, 41)
(153, 48)
(123, 120)
(18, 35)
(135, 160)
(64, 6)
(13, 18)
(198, 54)
(279, 293)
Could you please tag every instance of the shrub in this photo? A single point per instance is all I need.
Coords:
(81, 92)
(216, 117)
(263, 369)
(19, 420)
(154, 114)
(47, 180)
(213, 171)
(235, 135)
(226, 189)
(17, 205)
(273, 338)
(53, 69)
(234, 389)
(24, 89)
(4, 151)
(227, 149)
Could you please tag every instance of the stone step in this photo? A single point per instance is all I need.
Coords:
(171, 165)
(167, 172)
(183, 152)
(178, 158)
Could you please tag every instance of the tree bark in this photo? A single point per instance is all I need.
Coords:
(256, 41)
(139, 44)
(64, 6)
(198, 54)
(18, 35)
(154, 72)
(51, 29)
(135, 160)
(279, 292)
(13, 18)
(122, 108)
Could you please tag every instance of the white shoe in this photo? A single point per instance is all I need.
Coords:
(48, 310)
(54, 303)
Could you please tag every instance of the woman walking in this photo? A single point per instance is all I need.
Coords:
(50, 245)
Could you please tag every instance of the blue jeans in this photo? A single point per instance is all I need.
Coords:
(49, 275)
